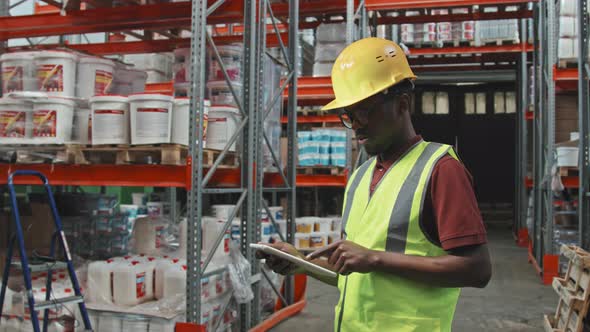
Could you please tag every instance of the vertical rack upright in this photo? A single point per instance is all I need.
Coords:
(252, 166)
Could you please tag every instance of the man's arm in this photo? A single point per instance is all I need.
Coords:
(463, 267)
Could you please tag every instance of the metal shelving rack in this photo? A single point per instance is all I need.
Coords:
(548, 79)
(249, 180)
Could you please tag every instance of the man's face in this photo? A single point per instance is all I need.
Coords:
(376, 122)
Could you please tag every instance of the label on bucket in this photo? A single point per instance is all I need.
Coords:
(44, 123)
(13, 78)
(12, 124)
(102, 82)
(50, 78)
(110, 124)
(140, 285)
(152, 122)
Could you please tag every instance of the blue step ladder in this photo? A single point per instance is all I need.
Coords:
(41, 264)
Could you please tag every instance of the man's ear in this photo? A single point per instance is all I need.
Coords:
(405, 103)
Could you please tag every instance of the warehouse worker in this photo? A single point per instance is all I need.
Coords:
(414, 233)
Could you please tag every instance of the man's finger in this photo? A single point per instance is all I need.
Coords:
(325, 251)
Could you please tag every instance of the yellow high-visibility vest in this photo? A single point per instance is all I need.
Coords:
(389, 220)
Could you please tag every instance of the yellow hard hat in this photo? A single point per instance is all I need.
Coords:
(366, 67)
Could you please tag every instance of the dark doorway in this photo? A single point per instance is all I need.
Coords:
(483, 133)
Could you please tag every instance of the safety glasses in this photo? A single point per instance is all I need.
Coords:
(360, 113)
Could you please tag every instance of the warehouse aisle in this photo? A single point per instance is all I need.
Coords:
(514, 300)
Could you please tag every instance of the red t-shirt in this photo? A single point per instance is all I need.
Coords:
(450, 218)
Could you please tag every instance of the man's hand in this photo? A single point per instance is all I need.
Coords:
(279, 265)
(346, 257)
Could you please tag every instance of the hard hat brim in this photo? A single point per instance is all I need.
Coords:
(337, 104)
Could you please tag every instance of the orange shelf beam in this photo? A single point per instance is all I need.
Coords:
(417, 4)
(155, 16)
(119, 175)
(329, 118)
(149, 176)
(274, 180)
(151, 46)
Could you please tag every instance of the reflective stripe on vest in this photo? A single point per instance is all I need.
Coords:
(390, 220)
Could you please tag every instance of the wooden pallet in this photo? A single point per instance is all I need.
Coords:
(573, 291)
(567, 63)
(569, 171)
(320, 170)
(497, 42)
(162, 154)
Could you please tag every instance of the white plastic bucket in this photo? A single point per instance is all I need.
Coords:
(52, 120)
(231, 56)
(277, 212)
(323, 225)
(95, 76)
(222, 211)
(223, 123)
(151, 118)
(318, 239)
(305, 225)
(56, 72)
(131, 284)
(110, 120)
(82, 126)
(15, 121)
(302, 241)
(567, 156)
(180, 122)
(18, 72)
(220, 94)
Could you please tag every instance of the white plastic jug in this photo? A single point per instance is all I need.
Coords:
(99, 281)
(131, 284)
(175, 281)
(162, 267)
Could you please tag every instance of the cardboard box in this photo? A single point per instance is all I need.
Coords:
(37, 225)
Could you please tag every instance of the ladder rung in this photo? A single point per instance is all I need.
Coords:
(43, 267)
(57, 302)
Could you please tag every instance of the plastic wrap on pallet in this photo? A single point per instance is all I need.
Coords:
(328, 52)
(568, 27)
(331, 33)
(567, 48)
(152, 62)
(322, 69)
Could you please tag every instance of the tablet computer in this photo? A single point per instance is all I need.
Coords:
(307, 266)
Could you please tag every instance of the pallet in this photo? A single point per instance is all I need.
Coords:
(566, 63)
(161, 154)
(320, 170)
(497, 42)
(573, 291)
(569, 171)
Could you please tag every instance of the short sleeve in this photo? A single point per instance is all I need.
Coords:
(454, 206)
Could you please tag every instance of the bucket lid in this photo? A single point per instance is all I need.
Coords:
(109, 98)
(150, 96)
(56, 100)
(12, 101)
(56, 54)
(94, 59)
(230, 109)
(222, 84)
(17, 56)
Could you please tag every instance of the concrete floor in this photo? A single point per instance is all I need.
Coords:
(514, 300)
